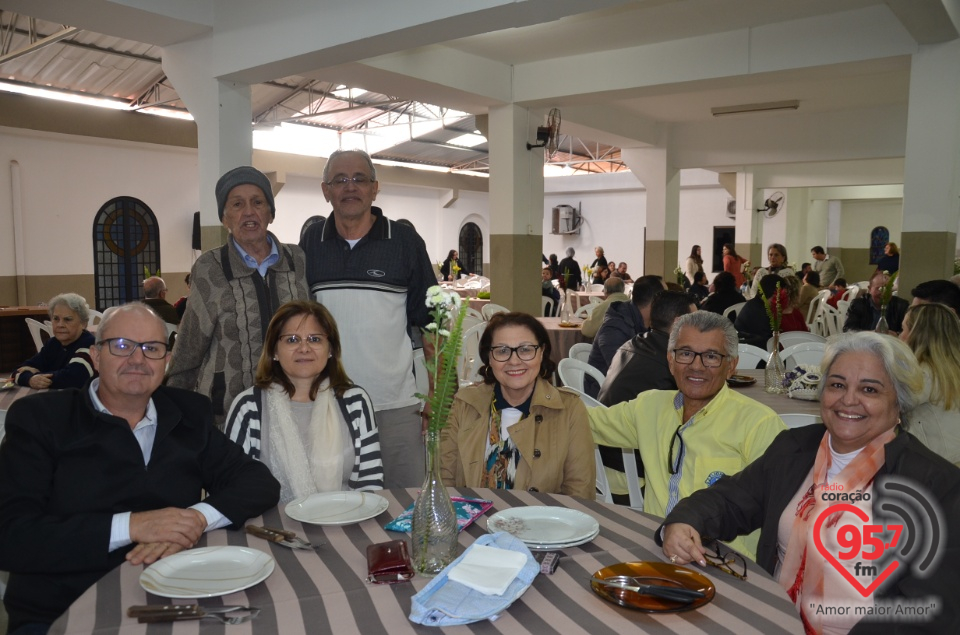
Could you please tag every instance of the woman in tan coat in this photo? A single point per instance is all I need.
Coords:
(516, 430)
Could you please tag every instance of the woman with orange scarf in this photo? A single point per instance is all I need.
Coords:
(868, 381)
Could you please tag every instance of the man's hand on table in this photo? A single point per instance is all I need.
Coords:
(681, 544)
(163, 532)
(150, 552)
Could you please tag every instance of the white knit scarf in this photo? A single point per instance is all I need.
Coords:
(312, 460)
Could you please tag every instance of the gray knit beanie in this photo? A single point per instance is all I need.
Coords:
(242, 176)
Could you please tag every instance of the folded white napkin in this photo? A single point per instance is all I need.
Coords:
(487, 569)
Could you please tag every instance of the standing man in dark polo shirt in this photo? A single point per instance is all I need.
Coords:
(373, 275)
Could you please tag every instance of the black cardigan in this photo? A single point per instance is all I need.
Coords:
(756, 497)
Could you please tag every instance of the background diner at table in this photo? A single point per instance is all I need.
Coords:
(304, 418)
(64, 360)
(870, 381)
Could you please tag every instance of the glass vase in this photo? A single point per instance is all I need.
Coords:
(882, 326)
(433, 533)
(774, 373)
(566, 312)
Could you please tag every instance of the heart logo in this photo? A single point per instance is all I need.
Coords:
(843, 507)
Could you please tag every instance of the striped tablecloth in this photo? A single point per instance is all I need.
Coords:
(781, 404)
(325, 592)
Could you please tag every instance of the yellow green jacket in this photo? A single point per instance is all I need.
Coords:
(721, 439)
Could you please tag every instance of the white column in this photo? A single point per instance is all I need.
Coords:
(653, 168)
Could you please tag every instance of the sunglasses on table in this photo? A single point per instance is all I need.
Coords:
(722, 557)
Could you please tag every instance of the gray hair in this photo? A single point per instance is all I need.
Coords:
(613, 285)
(114, 311)
(897, 359)
(72, 301)
(570, 252)
(705, 322)
(337, 153)
(153, 287)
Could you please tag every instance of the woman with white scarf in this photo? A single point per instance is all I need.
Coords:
(304, 418)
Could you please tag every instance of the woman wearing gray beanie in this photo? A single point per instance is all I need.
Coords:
(235, 290)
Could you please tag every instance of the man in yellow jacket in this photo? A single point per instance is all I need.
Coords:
(691, 437)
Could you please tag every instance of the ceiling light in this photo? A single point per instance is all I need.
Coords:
(790, 104)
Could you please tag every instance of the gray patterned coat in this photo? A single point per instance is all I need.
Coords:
(221, 334)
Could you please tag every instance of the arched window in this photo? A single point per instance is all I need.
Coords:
(471, 248)
(879, 237)
(126, 250)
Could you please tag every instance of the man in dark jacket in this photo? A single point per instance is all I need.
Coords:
(864, 311)
(753, 322)
(113, 472)
(570, 272)
(622, 321)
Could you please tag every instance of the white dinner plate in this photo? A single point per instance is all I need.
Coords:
(545, 527)
(336, 508)
(553, 547)
(207, 572)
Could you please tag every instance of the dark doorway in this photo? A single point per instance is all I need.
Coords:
(721, 236)
(471, 248)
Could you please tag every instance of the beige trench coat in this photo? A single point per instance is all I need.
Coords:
(555, 443)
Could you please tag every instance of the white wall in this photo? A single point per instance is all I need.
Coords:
(64, 180)
(859, 217)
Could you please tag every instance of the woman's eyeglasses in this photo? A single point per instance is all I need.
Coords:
(293, 340)
(525, 352)
(728, 561)
(709, 358)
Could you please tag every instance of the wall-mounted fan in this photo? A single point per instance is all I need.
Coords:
(731, 208)
(772, 205)
(548, 136)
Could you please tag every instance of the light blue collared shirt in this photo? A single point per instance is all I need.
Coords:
(146, 432)
(268, 262)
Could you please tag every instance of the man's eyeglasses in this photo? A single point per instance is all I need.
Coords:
(673, 464)
(293, 340)
(709, 358)
(525, 352)
(719, 556)
(122, 347)
(341, 181)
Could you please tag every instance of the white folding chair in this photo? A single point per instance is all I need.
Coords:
(472, 320)
(795, 337)
(581, 351)
(603, 485)
(490, 309)
(630, 471)
(832, 321)
(732, 311)
(815, 305)
(469, 362)
(547, 306)
(36, 328)
(584, 312)
(95, 317)
(851, 293)
(803, 353)
(842, 307)
(750, 356)
(471, 312)
(596, 288)
(797, 420)
(572, 371)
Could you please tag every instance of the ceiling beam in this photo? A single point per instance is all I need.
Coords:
(41, 43)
